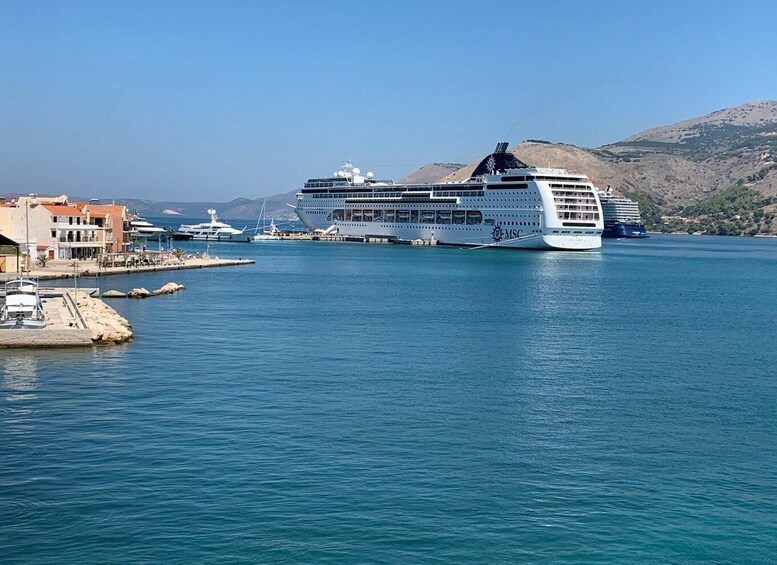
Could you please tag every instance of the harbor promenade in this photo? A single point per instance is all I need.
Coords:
(126, 265)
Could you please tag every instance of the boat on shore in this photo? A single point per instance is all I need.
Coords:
(503, 203)
(212, 230)
(622, 218)
(23, 308)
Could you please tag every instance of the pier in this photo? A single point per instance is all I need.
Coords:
(69, 323)
(124, 264)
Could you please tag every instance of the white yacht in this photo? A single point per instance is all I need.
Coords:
(140, 229)
(213, 230)
(23, 308)
(504, 203)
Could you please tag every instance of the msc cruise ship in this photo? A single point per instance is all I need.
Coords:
(505, 203)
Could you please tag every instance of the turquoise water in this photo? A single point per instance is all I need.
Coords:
(350, 403)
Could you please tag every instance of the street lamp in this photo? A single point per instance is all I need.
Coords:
(27, 226)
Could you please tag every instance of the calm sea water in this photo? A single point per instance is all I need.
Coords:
(350, 403)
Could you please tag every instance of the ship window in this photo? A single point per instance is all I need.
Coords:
(389, 215)
(347, 214)
(337, 214)
(427, 216)
(474, 217)
(403, 216)
(414, 216)
(378, 216)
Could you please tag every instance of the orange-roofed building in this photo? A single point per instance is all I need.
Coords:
(50, 226)
(111, 221)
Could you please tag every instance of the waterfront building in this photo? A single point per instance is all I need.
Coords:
(112, 221)
(49, 226)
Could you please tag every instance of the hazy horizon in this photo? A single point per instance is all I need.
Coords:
(204, 101)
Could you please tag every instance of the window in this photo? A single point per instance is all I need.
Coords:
(443, 216)
(474, 218)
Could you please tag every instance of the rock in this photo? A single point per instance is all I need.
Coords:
(114, 294)
(104, 323)
(138, 293)
(169, 288)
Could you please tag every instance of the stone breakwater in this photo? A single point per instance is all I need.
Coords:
(169, 288)
(103, 322)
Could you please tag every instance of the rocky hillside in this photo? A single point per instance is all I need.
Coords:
(714, 174)
(431, 173)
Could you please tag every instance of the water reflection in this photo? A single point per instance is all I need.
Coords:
(20, 376)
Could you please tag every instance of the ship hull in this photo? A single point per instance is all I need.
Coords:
(497, 235)
(629, 231)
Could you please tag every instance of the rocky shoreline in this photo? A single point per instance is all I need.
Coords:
(103, 322)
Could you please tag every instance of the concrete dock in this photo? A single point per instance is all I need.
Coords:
(65, 326)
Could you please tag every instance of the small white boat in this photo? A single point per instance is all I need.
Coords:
(271, 234)
(214, 230)
(23, 308)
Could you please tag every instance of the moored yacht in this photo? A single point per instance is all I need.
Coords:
(140, 229)
(504, 203)
(213, 230)
(23, 308)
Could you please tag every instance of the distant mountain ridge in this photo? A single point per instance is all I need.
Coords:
(237, 209)
(715, 173)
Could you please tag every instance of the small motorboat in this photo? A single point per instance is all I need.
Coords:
(23, 308)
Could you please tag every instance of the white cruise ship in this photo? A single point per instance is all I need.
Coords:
(621, 216)
(505, 203)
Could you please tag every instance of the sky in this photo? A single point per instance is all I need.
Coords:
(214, 100)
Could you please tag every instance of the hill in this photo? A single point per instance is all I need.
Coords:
(714, 174)
(431, 173)
(237, 209)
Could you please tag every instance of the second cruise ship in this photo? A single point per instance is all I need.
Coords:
(621, 216)
(504, 203)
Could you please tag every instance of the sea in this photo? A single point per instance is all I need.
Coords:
(365, 403)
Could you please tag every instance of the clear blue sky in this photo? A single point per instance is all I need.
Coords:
(192, 100)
